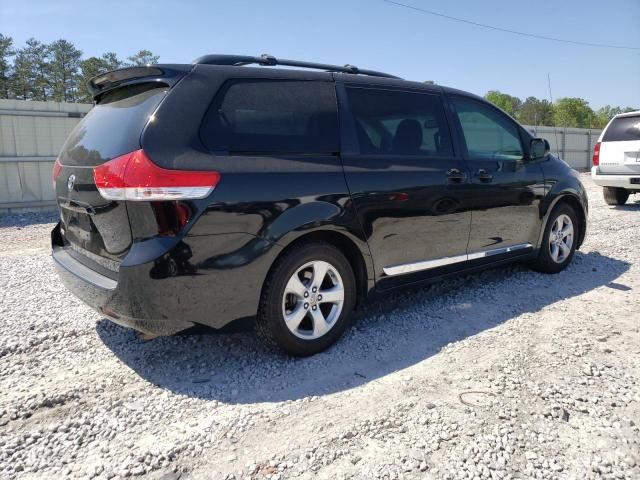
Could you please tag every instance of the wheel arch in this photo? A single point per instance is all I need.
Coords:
(574, 201)
(360, 262)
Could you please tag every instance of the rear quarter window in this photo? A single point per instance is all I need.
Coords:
(623, 129)
(273, 116)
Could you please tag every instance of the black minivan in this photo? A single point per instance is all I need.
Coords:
(212, 192)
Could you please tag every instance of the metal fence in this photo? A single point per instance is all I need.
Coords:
(573, 145)
(32, 134)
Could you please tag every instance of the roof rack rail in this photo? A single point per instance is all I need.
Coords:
(270, 60)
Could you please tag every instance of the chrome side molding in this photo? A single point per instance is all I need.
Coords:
(441, 262)
(499, 251)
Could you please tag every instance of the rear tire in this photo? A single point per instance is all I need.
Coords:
(559, 240)
(307, 300)
(615, 195)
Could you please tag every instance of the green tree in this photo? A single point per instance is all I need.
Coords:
(31, 73)
(91, 67)
(573, 112)
(142, 58)
(606, 113)
(506, 102)
(6, 52)
(112, 61)
(64, 70)
(534, 111)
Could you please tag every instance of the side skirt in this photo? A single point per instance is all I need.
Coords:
(441, 262)
(425, 278)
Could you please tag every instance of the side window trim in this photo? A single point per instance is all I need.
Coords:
(348, 136)
(460, 132)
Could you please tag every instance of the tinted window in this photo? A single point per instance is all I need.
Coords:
(112, 127)
(273, 116)
(623, 129)
(401, 123)
(487, 133)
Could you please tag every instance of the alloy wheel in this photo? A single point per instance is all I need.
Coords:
(313, 300)
(561, 238)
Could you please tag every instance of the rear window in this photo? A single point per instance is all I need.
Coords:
(623, 129)
(267, 116)
(113, 126)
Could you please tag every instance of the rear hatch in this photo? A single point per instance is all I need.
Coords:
(96, 230)
(620, 146)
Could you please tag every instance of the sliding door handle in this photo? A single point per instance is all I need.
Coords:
(483, 175)
(456, 175)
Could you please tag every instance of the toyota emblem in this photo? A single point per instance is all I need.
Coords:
(71, 182)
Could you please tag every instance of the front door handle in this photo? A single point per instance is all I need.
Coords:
(456, 175)
(483, 175)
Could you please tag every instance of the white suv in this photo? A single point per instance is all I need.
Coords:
(616, 158)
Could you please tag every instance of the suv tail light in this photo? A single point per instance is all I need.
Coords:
(55, 173)
(596, 155)
(135, 177)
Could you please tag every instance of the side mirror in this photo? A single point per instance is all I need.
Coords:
(539, 149)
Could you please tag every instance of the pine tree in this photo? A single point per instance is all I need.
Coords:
(112, 61)
(91, 67)
(6, 52)
(30, 79)
(63, 69)
(142, 58)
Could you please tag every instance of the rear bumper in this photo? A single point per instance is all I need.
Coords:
(102, 294)
(620, 181)
(210, 280)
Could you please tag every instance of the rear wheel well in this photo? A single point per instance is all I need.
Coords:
(577, 207)
(346, 246)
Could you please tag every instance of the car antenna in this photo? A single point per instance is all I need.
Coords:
(555, 128)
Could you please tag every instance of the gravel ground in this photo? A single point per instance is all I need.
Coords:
(503, 374)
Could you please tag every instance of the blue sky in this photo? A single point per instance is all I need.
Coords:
(371, 34)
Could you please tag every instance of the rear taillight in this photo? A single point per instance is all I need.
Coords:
(55, 173)
(135, 177)
(596, 155)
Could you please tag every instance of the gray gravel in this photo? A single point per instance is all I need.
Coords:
(504, 374)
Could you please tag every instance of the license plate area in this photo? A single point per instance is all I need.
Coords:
(77, 224)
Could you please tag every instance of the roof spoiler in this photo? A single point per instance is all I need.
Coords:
(269, 60)
(108, 81)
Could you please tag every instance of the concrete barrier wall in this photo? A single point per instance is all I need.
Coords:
(32, 134)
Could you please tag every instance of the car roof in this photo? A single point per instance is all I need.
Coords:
(350, 78)
(401, 83)
(265, 72)
(628, 114)
(268, 66)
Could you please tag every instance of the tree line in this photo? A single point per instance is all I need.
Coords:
(564, 112)
(55, 71)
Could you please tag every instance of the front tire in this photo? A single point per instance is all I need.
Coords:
(559, 240)
(307, 300)
(615, 195)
